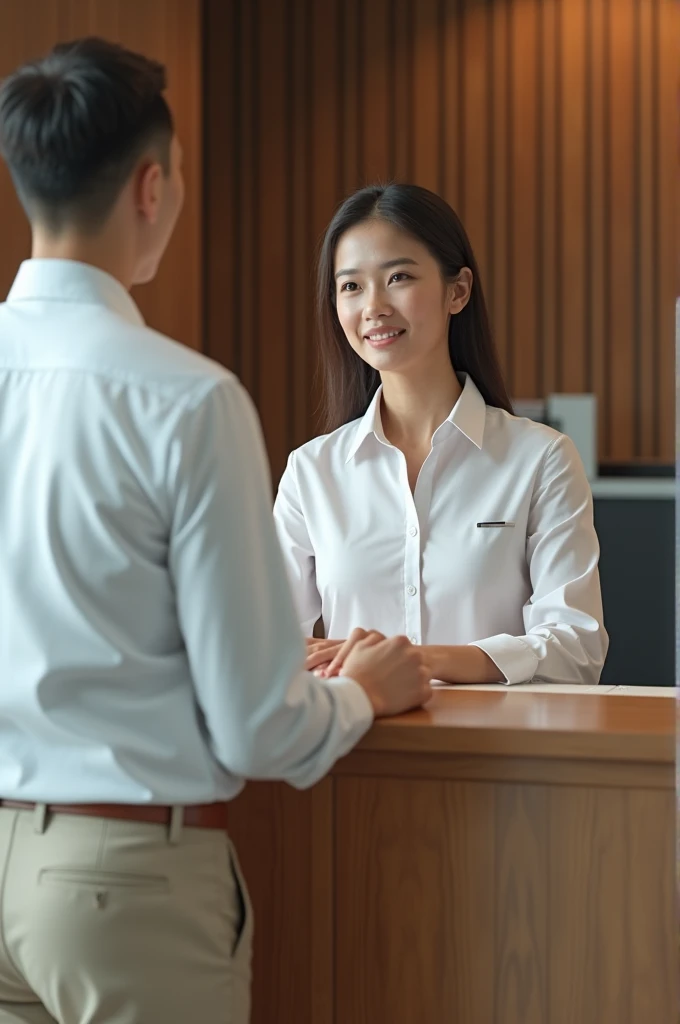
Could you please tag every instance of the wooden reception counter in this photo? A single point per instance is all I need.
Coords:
(500, 856)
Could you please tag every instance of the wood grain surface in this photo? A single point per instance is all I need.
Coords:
(540, 724)
(476, 902)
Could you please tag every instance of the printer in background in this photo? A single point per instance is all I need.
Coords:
(573, 415)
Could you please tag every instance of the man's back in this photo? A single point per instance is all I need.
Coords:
(96, 687)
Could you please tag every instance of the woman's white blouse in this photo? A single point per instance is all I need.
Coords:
(361, 550)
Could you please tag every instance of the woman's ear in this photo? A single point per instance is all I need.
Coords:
(460, 290)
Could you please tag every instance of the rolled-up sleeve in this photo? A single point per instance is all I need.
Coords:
(565, 640)
(265, 716)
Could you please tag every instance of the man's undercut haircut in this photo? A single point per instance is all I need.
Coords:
(74, 124)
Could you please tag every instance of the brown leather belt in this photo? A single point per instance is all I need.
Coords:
(193, 815)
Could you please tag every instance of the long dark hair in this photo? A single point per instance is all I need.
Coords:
(349, 383)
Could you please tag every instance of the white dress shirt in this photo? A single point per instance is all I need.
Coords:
(362, 550)
(149, 648)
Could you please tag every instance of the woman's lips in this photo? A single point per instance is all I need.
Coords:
(381, 339)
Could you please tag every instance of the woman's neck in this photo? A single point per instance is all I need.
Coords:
(413, 407)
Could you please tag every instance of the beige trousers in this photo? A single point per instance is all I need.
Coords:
(114, 922)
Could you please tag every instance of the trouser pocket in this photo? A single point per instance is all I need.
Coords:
(245, 923)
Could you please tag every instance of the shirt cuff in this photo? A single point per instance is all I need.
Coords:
(514, 658)
(354, 709)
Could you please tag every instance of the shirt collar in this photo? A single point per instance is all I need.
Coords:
(469, 412)
(370, 423)
(56, 280)
(468, 416)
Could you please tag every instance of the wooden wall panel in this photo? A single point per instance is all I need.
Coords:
(597, 275)
(301, 281)
(549, 125)
(571, 150)
(619, 216)
(474, 131)
(377, 129)
(667, 221)
(401, 80)
(170, 31)
(425, 122)
(523, 225)
(500, 239)
(223, 271)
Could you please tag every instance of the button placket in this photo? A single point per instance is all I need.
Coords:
(412, 580)
(418, 509)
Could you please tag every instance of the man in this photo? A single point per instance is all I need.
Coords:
(150, 658)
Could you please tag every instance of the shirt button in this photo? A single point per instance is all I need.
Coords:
(413, 531)
(411, 590)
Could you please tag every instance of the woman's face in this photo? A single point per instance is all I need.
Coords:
(392, 301)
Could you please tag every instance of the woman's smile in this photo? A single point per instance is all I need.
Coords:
(383, 336)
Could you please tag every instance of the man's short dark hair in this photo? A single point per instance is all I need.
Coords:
(73, 125)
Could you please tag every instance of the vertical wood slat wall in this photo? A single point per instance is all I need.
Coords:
(550, 125)
(169, 31)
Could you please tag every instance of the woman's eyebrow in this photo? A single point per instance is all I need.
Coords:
(383, 266)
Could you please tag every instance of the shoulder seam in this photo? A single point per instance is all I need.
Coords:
(549, 449)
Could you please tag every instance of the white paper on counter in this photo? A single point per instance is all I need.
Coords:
(622, 691)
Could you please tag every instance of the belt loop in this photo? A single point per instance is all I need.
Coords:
(176, 821)
(39, 818)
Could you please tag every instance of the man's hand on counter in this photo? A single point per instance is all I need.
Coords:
(392, 672)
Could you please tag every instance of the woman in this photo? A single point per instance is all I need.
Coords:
(428, 508)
